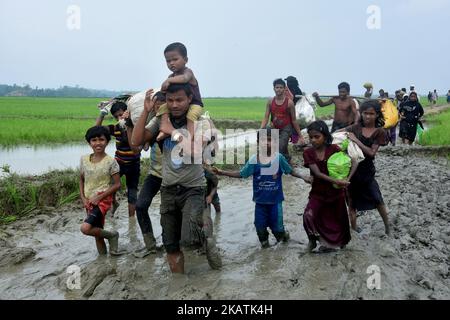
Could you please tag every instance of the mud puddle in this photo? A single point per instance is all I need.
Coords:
(413, 263)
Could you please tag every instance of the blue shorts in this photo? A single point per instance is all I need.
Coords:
(269, 215)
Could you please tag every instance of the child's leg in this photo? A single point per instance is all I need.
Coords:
(166, 128)
(93, 226)
(193, 115)
(384, 215)
(101, 245)
(276, 223)
(261, 224)
(96, 232)
(352, 213)
(216, 203)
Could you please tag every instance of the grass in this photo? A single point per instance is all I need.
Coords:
(49, 108)
(19, 195)
(438, 134)
(34, 121)
(42, 131)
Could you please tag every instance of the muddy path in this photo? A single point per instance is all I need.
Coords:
(414, 262)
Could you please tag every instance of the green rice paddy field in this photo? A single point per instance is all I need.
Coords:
(33, 121)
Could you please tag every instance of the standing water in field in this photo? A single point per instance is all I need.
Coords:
(41, 159)
(36, 252)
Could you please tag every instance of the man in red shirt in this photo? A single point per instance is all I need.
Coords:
(282, 114)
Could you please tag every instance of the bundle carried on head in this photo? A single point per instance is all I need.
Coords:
(136, 105)
(368, 85)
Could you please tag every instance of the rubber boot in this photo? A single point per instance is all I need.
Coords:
(113, 239)
(176, 262)
(212, 254)
(282, 236)
(150, 246)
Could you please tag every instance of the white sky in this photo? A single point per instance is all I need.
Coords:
(235, 48)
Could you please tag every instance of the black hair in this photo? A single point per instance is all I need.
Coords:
(159, 96)
(118, 105)
(292, 81)
(177, 46)
(321, 126)
(344, 85)
(174, 87)
(279, 82)
(376, 105)
(404, 89)
(96, 132)
(267, 130)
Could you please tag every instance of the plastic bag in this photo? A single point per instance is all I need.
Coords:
(390, 113)
(419, 134)
(304, 111)
(351, 148)
(339, 165)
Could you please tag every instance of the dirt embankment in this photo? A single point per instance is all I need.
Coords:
(414, 262)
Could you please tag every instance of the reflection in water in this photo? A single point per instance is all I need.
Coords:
(40, 159)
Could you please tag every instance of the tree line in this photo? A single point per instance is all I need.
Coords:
(64, 91)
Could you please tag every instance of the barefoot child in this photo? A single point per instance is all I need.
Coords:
(325, 217)
(267, 168)
(96, 188)
(176, 58)
(369, 135)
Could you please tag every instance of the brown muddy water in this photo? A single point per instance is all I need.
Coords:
(36, 252)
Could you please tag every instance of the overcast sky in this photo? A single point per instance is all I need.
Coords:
(235, 47)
